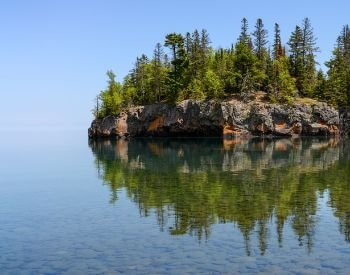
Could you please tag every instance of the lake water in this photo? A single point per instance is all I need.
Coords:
(154, 206)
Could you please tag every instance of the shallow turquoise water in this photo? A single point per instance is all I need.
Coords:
(173, 205)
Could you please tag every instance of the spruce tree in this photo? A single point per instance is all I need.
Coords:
(337, 89)
(158, 71)
(244, 36)
(309, 49)
(277, 50)
(260, 39)
(281, 84)
(246, 70)
(320, 86)
(302, 49)
(343, 40)
(175, 42)
(296, 55)
(195, 57)
(188, 43)
(204, 51)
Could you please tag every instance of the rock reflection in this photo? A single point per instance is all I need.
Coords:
(258, 185)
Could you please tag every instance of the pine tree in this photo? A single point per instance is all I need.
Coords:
(195, 57)
(309, 41)
(244, 36)
(204, 51)
(302, 45)
(205, 41)
(277, 50)
(188, 44)
(260, 39)
(281, 84)
(337, 89)
(141, 78)
(222, 65)
(158, 71)
(343, 40)
(175, 42)
(320, 86)
(246, 71)
(296, 51)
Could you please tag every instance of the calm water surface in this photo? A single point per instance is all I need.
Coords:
(153, 206)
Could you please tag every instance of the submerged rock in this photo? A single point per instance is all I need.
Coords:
(227, 118)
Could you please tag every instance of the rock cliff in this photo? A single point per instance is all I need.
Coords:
(228, 118)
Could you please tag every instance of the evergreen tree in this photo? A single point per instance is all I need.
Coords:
(337, 89)
(320, 86)
(277, 44)
(295, 47)
(244, 36)
(260, 39)
(281, 84)
(140, 78)
(204, 51)
(188, 44)
(195, 57)
(343, 40)
(223, 66)
(247, 74)
(302, 45)
(213, 86)
(180, 62)
(197, 71)
(111, 98)
(158, 72)
(309, 49)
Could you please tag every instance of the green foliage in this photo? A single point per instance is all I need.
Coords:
(281, 84)
(191, 69)
(111, 98)
(277, 43)
(244, 37)
(248, 77)
(260, 39)
(201, 195)
(195, 90)
(179, 63)
(319, 92)
(212, 85)
(337, 88)
(302, 58)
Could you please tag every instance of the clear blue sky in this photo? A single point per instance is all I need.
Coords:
(54, 54)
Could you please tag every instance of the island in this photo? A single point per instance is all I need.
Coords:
(248, 89)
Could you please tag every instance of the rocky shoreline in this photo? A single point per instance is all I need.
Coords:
(229, 119)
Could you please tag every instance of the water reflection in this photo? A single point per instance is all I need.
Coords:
(259, 185)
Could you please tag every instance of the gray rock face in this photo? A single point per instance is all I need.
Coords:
(344, 118)
(228, 118)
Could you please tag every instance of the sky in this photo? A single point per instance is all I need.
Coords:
(54, 54)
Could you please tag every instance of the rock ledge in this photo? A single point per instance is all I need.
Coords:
(227, 119)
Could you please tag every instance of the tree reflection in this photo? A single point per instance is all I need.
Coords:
(192, 184)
